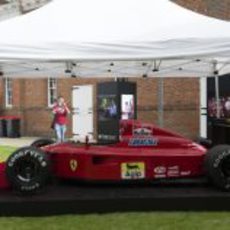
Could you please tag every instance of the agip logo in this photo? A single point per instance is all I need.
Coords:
(73, 165)
(133, 170)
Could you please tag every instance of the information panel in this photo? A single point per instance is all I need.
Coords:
(115, 101)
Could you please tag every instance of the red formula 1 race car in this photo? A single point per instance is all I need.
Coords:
(144, 153)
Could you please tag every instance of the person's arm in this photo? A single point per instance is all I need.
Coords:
(66, 108)
(55, 110)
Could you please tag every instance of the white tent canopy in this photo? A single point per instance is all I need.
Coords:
(113, 38)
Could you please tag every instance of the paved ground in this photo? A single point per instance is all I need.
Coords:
(17, 142)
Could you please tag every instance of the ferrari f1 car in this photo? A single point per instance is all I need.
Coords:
(143, 153)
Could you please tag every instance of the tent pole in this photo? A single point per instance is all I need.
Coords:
(203, 107)
(217, 89)
(160, 96)
(217, 96)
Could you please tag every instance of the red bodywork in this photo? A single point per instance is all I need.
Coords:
(144, 152)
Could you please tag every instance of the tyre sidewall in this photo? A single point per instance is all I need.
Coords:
(42, 142)
(213, 166)
(35, 155)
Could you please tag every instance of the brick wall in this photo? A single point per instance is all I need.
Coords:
(182, 106)
(181, 103)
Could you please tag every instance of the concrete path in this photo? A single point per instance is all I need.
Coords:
(17, 142)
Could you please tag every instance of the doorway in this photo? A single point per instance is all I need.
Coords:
(82, 119)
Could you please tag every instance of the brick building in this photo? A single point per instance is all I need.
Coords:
(31, 99)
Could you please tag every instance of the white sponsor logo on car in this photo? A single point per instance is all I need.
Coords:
(142, 131)
(173, 171)
(185, 173)
(160, 170)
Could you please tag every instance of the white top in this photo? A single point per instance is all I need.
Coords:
(168, 37)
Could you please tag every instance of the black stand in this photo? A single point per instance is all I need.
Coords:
(73, 198)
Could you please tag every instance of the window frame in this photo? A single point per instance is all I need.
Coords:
(8, 83)
(51, 88)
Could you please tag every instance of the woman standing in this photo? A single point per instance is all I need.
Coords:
(60, 111)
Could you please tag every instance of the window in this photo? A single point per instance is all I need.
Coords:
(8, 92)
(52, 91)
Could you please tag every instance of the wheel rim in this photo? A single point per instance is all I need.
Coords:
(27, 169)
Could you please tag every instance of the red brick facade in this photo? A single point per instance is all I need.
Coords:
(181, 96)
(30, 101)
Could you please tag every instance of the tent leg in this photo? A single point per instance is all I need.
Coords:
(203, 107)
(160, 96)
(217, 96)
(217, 89)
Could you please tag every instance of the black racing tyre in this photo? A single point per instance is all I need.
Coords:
(42, 142)
(217, 166)
(27, 169)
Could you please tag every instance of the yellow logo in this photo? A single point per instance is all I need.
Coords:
(73, 165)
(133, 170)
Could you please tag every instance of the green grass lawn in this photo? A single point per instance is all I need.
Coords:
(120, 221)
(126, 221)
(5, 151)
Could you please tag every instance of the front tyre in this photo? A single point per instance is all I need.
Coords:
(42, 142)
(27, 169)
(217, 166)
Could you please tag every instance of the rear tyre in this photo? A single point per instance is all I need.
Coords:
(27, 169)
(42, 142)
(217, 166)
